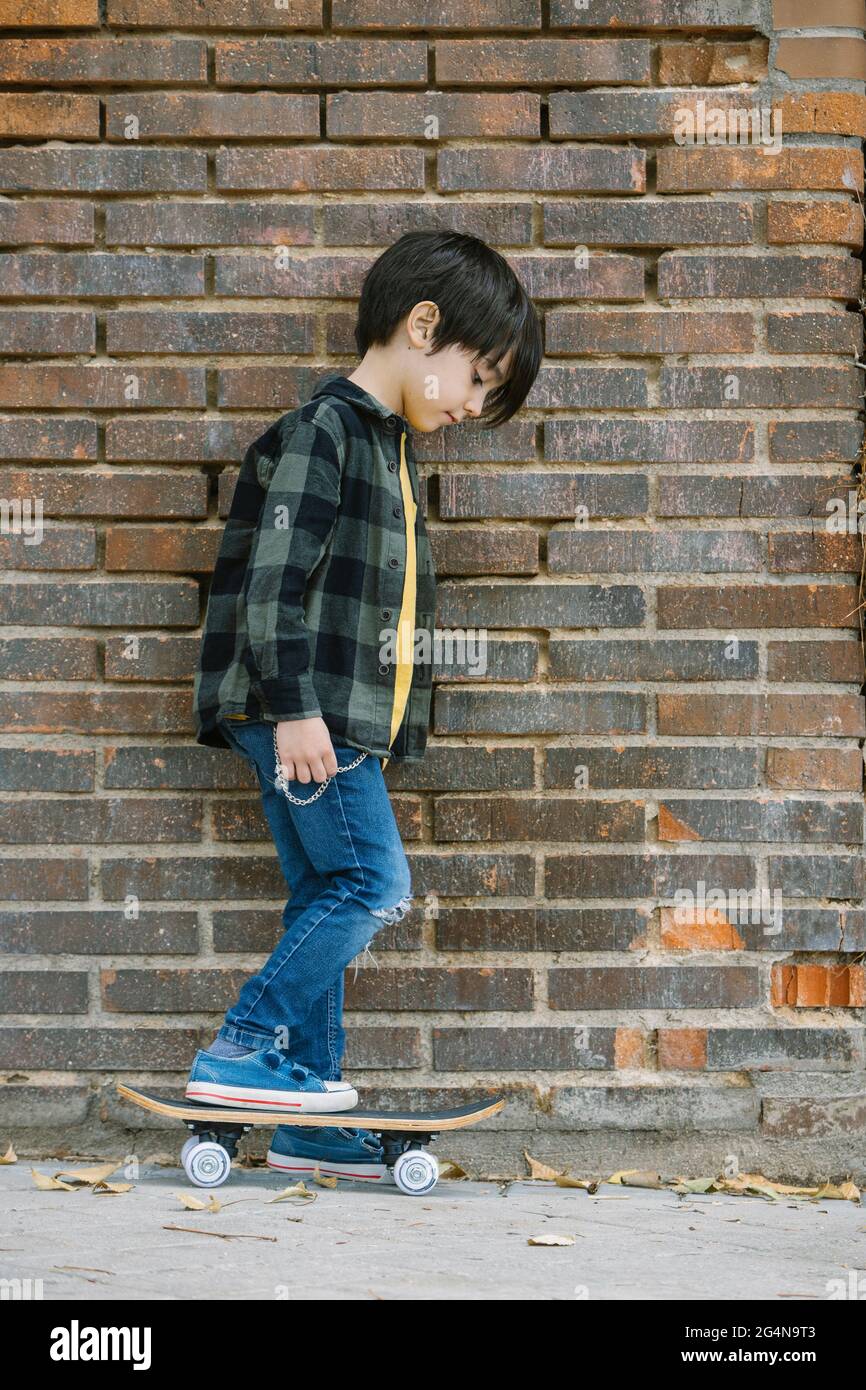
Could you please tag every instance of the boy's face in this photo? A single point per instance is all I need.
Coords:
(448, 387)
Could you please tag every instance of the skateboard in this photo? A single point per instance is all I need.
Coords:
(215, 1131)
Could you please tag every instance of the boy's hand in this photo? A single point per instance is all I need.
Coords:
(305, 749)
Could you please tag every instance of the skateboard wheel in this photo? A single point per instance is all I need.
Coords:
(207, 1164)
(416, 1172)
(187, 1148)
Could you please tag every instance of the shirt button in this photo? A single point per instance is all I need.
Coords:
(393, 563)
(383, 670)
(392, 465)
(386, 612)
(391, 421)
(398, 511)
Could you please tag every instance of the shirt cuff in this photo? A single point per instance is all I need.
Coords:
(290, 697)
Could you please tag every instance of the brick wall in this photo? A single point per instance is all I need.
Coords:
(672, 696)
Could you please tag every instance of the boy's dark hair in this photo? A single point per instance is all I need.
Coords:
(482, 306)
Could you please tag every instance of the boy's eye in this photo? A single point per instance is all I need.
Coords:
(476, 379)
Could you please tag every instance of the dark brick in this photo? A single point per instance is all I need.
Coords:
(126, 820)
(43, 992)
(816, 769)
(448, 988)
(626, 767)
(784, 1049)
(687, 275)
(100, 1049)
(822, 552)
(817, 876)
(736, 607)
(406, 115)
(823, 441)
(544, 61)
(170, 991)
(648, 441)
(529, 818)
(519, 1049)
(97, 932)
(236, 223)
(668, 222)
(825, 661)
(174, 331)
(798, 387)
(652, 332)
(101, 169)
(539, 929)
(575, 550)
(464, 496)
(710, 495)
(595, 875)
(659, 987)
(542, 711)
(750, 821)
(788, 331)
(311, 62)
(368, 224)
(663, 659)
(539, 605)
(756, 716)
(569, 169)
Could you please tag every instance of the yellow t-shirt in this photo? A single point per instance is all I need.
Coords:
(406, 621)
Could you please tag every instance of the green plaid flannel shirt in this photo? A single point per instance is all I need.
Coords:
(308, 580)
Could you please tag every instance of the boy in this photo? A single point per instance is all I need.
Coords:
(324, 569)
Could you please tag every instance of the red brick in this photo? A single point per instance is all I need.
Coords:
(818, 986)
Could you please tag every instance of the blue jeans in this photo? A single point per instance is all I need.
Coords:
(345, 865)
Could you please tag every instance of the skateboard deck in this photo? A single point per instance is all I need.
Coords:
(216, 1129)
(405, 1121)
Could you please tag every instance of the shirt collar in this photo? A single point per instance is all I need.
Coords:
(350, 391)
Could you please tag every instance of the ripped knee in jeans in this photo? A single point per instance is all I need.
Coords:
(389, 916)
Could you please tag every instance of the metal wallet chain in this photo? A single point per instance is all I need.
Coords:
(280, 780)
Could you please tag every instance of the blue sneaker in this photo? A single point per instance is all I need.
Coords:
(265, 1079)
(297, 1150)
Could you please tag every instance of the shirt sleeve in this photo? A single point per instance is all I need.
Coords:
(298, 516)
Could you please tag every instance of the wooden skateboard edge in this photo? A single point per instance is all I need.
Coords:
(335, 1118)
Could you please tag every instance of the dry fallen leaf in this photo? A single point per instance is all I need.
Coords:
(47, 1184)
(550, 1240)
(637, 1179)
(10, 1155)
(112, 1187)
(323, 1182)
(90, 1175)
(698, 1185)
(299, 1190)
(846, 1191)
(566, 1180)
(634, 1174)
(447, 1169)
(537, 1169)
(196, 1203)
